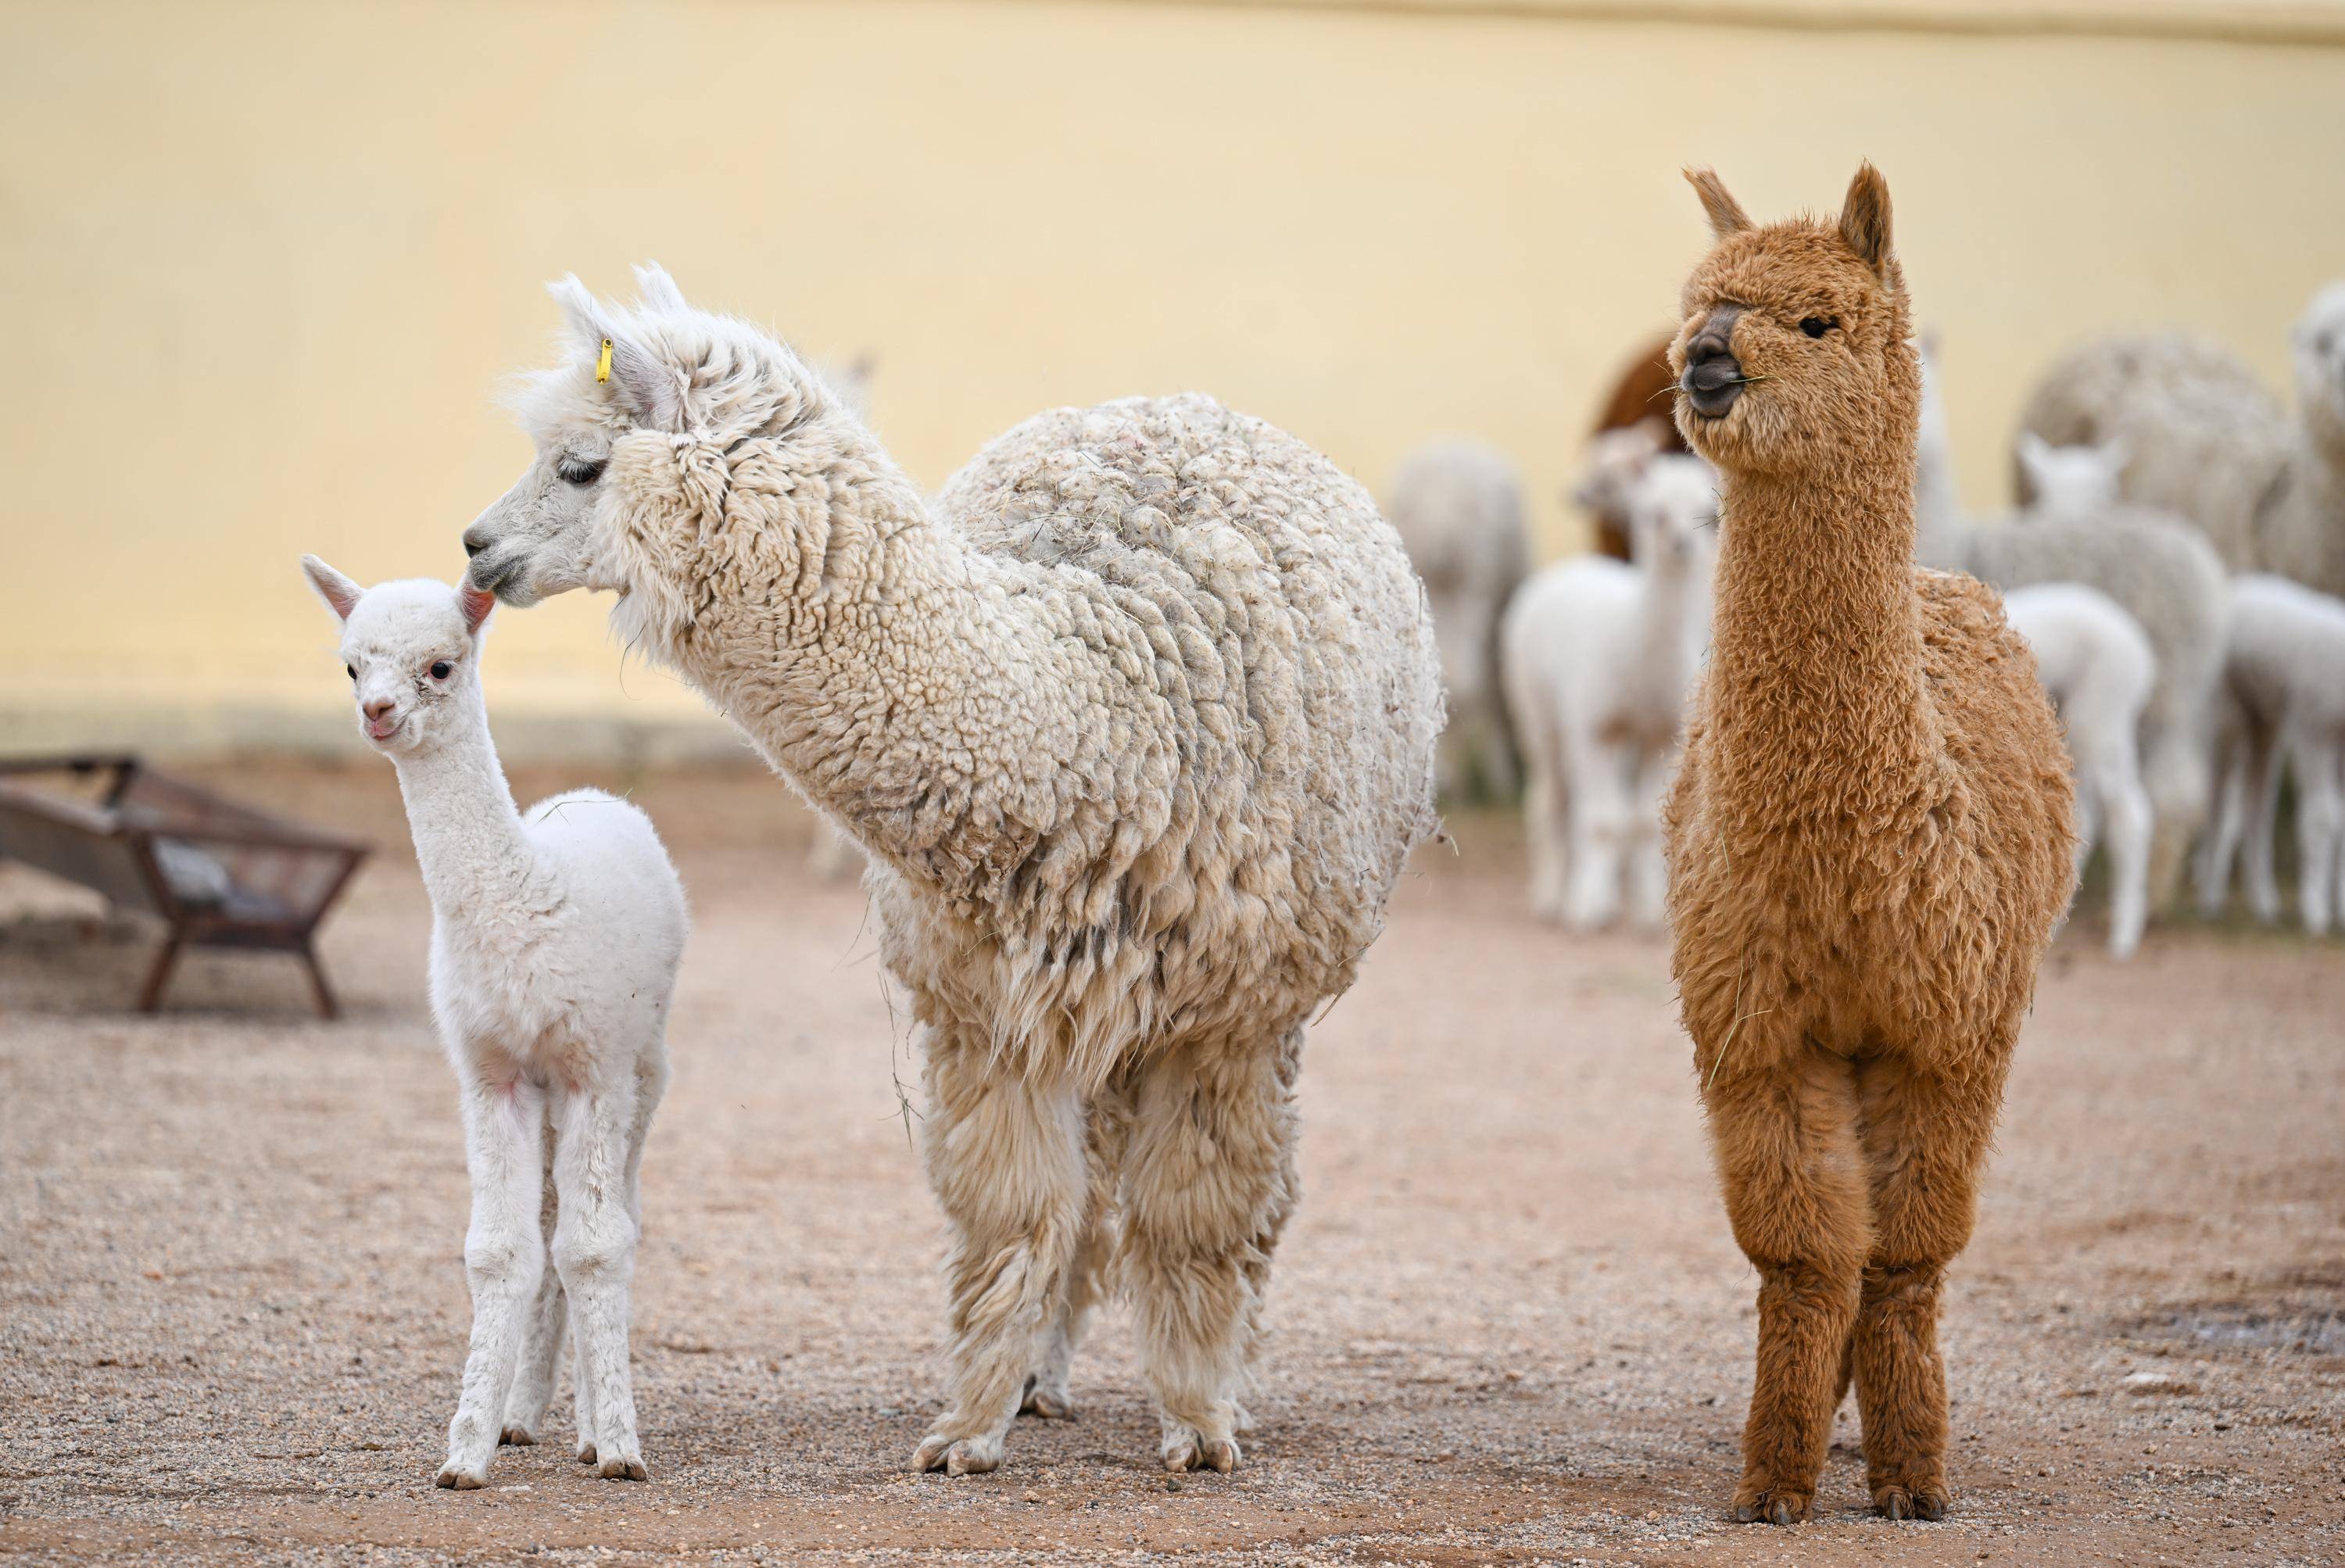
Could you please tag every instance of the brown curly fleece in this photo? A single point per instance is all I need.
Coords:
(1869, 843)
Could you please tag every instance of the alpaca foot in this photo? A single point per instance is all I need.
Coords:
(1925, 1500)
(456, 1478)
(1049, 1401)
(516, 1437)
(1241, 1418)
(619, 1467)
(1186, 1449)
(1770, 1505)
(976, 1455)
(586, 1451)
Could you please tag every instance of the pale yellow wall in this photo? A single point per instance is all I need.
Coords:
(264, 265)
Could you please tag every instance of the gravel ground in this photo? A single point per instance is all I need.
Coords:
(1509, 1322)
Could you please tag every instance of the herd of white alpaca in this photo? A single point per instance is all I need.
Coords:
(1136, 721)
(2185, 691)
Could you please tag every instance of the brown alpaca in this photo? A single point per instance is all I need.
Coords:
(1868, 840)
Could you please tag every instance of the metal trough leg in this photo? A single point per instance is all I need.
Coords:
(327, 1006)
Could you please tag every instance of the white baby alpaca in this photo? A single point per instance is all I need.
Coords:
(2096, 663)
(1597, 658)
(554, 943)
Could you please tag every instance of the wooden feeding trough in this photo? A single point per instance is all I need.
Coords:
(217, 874)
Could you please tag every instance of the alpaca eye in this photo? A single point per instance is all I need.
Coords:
(353, 670)
(1817, 326)
(582, 472)
(439, 669)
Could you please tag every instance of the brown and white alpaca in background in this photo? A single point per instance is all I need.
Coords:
(1135, 722)
(1868, 844)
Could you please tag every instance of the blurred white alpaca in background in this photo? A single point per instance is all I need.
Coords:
(555, 937)
(1458, 507)
(1599, 658)
(2096, 663)
(2284, 688)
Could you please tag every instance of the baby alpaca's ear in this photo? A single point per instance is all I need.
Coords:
(2035, 453)
(475, 603)
(341, 594)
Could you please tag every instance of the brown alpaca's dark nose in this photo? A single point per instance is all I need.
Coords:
(1713, 376)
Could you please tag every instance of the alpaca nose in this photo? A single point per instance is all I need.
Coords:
(1713, 376)
(474, 542)
(377, 710)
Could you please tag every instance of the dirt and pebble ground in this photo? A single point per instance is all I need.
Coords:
(1508, 1323)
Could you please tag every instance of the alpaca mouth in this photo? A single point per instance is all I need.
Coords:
(379, 733)
(503, 580)
(1713, 385)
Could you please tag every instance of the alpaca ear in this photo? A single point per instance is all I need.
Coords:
(1864, 221)
(658, 289)
(341, 594)
(474, 604)
(2035, 453)
(650, 391)
(1726, 214)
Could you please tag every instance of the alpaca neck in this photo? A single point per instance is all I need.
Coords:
(468, 839)
(863, 646)
(1816, 652)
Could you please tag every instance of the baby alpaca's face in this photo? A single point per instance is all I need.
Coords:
(2320, 347)
(2072, 481)
(410, 651)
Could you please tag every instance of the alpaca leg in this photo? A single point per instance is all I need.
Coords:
(504, 1256)
(2219, 848)
(1286, 1192)
(595, 1250)
(1793, 1173)
(1108, 1130)
(2320, 824)
(1545, 821)
(546, 1327)
(1648, 873)
(1007, 1159)
(1925, 1141)
(2125, 805)
(2260, 790)
(2175, 770)
(651, 1084)
(1601, 810)
(1205, 1194)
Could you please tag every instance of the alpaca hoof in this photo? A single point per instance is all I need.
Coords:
(1773, 1507)
(1190, 1452)
(457, 1480)
(616, 1469)
(1926, 1502)
(516, 1437)
(956, 1456)
(1046, 1402)
(586, 1453)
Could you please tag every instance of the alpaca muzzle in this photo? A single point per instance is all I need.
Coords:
(1713, 377)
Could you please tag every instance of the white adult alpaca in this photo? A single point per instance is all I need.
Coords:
(1135, 721)
(1598, 659)
(555, 943)
(2096, 663)
(2284, 698)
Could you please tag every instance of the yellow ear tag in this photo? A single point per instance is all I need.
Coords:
(602, 362)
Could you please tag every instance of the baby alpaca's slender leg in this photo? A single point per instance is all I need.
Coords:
(1205, 1196)
(1601, 805)
(651, 1084)
(594, 1249)
(2320, 823)
(504, 1256)
(1007, 1159)
(1108, 1130)
(2125, 808)
(546, 1327)
(1649, 876)
(2259, 789)
(2218, 847)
